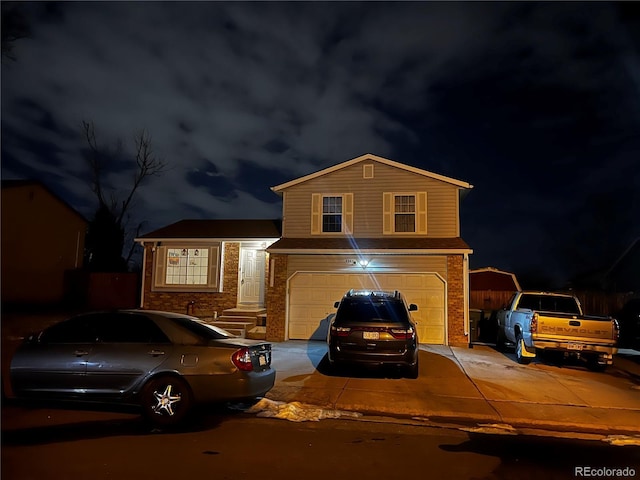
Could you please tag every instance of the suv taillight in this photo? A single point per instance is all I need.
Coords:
(340, 331)
(403, 333)
(242, 359)
(616, 330)
(533, 326)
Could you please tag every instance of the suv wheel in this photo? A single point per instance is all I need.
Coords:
(413, 370)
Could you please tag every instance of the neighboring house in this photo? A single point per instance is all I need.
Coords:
(491, 288)
(365, 223)
(208, 268)
(42, 242)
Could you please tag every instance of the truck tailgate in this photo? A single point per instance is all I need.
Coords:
(576, 329)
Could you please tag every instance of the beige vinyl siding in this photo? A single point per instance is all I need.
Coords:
(377, 263)
(442, 200)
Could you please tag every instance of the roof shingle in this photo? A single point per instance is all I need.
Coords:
(218, 229)
(352, 243)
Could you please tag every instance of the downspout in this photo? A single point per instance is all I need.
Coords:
(144, 271)
(75, 264)
(465, 289)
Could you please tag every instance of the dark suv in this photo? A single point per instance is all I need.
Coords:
(374, 328)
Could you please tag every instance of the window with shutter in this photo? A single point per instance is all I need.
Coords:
(404, 213)
(331, 213)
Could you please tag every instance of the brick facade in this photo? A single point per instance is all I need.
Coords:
(455, 302)
(204, 303)
(276, 298)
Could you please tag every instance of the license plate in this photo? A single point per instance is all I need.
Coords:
(371, 335)
(574, 346)
(262, 360)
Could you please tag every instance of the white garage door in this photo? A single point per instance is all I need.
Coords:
(312, 295)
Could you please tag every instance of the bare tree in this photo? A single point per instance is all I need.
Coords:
(107, 230)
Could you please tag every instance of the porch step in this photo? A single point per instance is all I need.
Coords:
(236, 319)
(237, 328)
(238, 332)
(257, 333)
(244, 311)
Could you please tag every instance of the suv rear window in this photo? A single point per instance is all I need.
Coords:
(371, 310)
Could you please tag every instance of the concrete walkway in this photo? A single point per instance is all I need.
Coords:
(469, 386)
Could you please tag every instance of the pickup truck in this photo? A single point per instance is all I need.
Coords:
(555, 322)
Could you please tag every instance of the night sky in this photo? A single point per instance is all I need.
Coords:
(535, 104)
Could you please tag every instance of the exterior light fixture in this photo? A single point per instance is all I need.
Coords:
(363, 263)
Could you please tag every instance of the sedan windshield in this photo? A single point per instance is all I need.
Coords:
(201, 329)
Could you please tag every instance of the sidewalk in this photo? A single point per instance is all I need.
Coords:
(468, 386)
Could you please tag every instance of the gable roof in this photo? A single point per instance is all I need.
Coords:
(490, 278)
(25, 183)
(368, 157)
(236, 229)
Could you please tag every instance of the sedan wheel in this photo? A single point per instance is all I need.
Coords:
(166, 401)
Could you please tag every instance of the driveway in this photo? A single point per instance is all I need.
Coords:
(478, 385)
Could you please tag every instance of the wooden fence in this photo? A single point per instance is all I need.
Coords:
(603, 303)
(593, 303)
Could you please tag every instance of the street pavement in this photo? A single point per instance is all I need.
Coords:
(477, 385)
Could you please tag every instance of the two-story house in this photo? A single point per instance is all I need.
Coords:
(365, 223)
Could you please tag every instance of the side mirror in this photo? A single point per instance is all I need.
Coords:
(336, 305)
(413, 307)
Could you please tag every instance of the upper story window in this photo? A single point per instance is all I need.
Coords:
(405, 213)
(331, 213)
(187, 267)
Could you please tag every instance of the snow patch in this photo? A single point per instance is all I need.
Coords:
(622, 440)
(499, 428)
(296, 411)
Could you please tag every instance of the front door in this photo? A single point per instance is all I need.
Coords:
(251, 276)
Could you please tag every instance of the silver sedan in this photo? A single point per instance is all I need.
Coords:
(165, 362)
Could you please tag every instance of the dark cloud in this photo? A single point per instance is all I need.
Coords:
(536, 104)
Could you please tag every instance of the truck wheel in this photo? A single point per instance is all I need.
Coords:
(519, 349)
(593, 365)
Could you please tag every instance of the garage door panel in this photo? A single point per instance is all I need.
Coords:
(434, 334)
(312, 295)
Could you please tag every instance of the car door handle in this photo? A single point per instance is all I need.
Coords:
(155, 353)
(80, 353)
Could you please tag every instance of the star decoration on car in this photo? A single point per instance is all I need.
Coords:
(165, 401)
